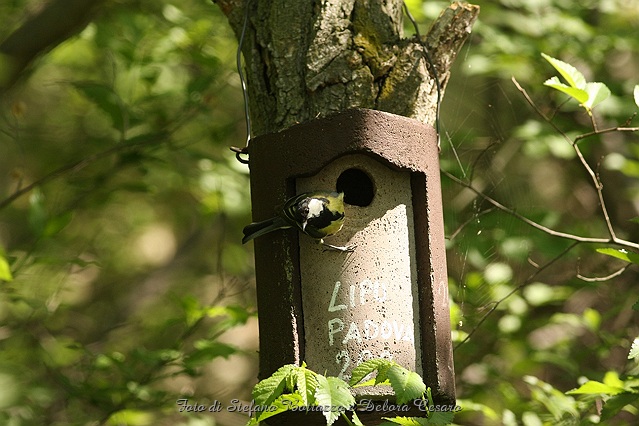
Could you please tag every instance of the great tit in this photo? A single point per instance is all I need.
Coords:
(318, 214)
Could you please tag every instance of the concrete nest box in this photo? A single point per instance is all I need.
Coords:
(389, 297)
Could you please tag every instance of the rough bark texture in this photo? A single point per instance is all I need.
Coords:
(310, 58)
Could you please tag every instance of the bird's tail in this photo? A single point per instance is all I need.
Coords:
(257, 229)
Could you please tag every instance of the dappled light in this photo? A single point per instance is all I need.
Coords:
(124, 284)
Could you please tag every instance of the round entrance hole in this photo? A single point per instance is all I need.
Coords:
(357, 187)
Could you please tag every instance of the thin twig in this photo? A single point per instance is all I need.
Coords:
(527, 281)
(608, 130)
(536, 225)
(80, 164)
(576, 238)
(600, 279)
(595, 179)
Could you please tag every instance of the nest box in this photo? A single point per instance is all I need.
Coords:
(389, 297)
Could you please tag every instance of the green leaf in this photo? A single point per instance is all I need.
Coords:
(407, 421)
(5, 269)
(105, 99)
(236, 315)
(574, 78)
(636, 94)
(634, 349)
(554, 400)
(281, 404)
(578, 94)
(407, 385)
(130, 417)
(267, 390)
(597, 93)
(468, 405)
(380, 365)
(334, 396)
(615, 404)
(37, 213)
(56, 224)
(622, 254)
(593, 387)
(306, 384)
(206, 350)
(611, 378)
(439, 418)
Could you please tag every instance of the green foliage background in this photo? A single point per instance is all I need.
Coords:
(130, 287)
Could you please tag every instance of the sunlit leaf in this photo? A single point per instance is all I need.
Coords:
(408, 421)
(634, 349)
(554, 400)
(281, 404)
(5, 270)
(267, 390)
(334, 395)
(306, 384)
(611, 378)
(407, 384)
(576, 93)
(597, 93)
(636, 94)
(131, 417)
(486, 411)
(593, 387)
(367, 367)
(622, 254)
(572, 76)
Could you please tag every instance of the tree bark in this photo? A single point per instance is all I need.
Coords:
(306, 59)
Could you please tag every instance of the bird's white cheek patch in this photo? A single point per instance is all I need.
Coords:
(315, 207)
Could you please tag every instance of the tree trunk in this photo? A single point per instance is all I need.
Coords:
(306, 59)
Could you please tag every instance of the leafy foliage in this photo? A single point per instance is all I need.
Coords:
(298, 388)
(588, 94)
(123, 285)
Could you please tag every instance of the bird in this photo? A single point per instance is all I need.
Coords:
(317, 214)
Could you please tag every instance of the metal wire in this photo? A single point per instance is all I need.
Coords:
(429, 60)
(238, 60)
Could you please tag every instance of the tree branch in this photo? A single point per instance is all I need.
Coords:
(448, 34)
(54, 23)
(538, 226)
(80, 164)
(347, 54)
(593, 176)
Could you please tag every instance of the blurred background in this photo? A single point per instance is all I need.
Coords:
(125, 286)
